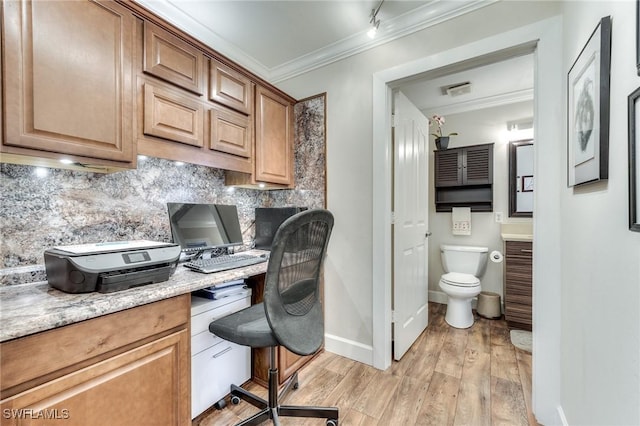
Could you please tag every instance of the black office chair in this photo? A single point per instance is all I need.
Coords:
(290, 316)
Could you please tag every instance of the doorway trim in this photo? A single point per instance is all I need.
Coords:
(548, 58)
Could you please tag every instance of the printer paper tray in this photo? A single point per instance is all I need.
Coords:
(108, 283)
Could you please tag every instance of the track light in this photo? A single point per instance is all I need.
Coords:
(375, 23)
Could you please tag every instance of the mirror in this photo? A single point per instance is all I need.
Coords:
(521, 182)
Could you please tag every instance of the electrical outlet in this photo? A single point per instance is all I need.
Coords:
(498, 216)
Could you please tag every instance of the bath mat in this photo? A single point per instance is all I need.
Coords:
(522, 339)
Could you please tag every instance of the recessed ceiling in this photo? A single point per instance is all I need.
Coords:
(280, 39)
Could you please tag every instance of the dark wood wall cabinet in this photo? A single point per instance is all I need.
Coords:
(464, 178)
(518, 284)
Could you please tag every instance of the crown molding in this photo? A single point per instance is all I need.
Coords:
(168, 11)
(417, 19)
(481, 103)
(431, 14)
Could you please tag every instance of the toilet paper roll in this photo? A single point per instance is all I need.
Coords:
(496, 257)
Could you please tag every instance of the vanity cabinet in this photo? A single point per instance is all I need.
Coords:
(129, 367)
(68, 84)
(464, 177)
(518, 284)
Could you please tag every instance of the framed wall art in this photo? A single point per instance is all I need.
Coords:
(638, 36)
(634, 160)
(588, 109)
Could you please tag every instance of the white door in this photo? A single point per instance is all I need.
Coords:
(411, 220)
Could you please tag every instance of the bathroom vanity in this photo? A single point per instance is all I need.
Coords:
(518, 283)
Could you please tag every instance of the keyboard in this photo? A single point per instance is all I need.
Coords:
(224, 262)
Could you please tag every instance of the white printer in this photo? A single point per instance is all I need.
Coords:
(110, 266)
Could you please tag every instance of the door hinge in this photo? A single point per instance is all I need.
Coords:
(394, 120)
(393, 218)
(393, 317)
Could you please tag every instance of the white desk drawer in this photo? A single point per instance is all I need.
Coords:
(200, 322)
(214, 370)
(202, 341)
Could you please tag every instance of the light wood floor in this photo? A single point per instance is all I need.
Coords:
(448, 377)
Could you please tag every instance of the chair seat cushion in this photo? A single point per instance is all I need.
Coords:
(248, 327)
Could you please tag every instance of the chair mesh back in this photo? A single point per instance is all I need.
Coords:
(300, 267)
(292, 299)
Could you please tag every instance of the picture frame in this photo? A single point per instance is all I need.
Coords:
(638, 36)
(527, 183)
(588, 84)
(634, 160)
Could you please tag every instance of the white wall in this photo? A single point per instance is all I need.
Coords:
(601, 257)
(488, 125)
(348, 85)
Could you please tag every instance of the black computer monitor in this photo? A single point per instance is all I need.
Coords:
(199, 227)
(268, 220)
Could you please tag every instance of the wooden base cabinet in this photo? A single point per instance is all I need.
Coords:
(130, 367)
(518, 284)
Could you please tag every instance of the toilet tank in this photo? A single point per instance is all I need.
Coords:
(465, 259)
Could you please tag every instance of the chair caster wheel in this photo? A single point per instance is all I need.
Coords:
(220, 404)
(332, 422)
(235, 400)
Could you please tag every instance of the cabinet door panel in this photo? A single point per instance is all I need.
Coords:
(274, 138)
(448, 168)
(230, 132)
(68, 88)
(230, 88)
(172, 116)
(478, 165)
(145, 385)
(168, 57)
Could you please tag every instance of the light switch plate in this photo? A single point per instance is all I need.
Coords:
(498, 216)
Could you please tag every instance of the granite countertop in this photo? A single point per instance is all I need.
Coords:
(33, 307)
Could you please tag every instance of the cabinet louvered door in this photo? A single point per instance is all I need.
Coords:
(477, 165)
(448, 167)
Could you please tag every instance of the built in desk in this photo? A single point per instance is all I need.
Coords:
(124, 356)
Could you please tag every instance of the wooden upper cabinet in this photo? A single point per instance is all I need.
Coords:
(68, 80)
(172, 115)
(230, 132)
(231, 88)
(274, 138)
(169, 58)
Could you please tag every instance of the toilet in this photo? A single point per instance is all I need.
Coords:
(463, 266)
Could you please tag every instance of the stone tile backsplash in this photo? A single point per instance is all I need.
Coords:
(42, 208)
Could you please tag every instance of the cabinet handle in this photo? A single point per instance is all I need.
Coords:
(526, 251)
(222, 352)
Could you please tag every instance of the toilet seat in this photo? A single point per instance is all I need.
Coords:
(460, 280)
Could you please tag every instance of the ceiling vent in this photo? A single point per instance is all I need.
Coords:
(457, 89)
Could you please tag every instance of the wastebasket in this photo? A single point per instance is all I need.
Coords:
(489, 305)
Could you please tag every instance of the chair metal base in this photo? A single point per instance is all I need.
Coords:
(272, 410)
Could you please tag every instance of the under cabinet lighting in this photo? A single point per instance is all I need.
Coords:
(66, 161)
(142, 157)
(41, 172)
(262, 185)
(179, 163)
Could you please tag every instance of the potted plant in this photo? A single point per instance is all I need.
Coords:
(442, 142)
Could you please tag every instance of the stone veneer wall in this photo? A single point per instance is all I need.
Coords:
(67, 207)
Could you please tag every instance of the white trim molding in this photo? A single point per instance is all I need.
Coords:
(348, 348)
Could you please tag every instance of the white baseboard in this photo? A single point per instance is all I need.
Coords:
(438, 297)
(441, 297)
(349, 348)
